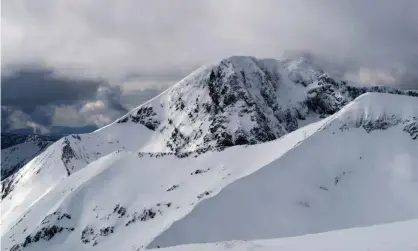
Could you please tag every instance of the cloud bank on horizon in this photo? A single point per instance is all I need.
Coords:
(102, 48)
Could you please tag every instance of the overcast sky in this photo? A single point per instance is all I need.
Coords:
(101, 51)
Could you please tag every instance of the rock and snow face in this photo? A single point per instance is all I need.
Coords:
(154, 165)
(242, 101)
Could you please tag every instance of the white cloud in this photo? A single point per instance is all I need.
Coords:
(112, 39)
(68, 116)
(37, 128)
(92, 106)
(374, 76)
(92, 113)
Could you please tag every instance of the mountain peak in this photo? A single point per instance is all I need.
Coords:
(239, 100)
(242, 100)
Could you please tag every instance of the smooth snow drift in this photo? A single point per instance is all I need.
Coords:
(399, 236)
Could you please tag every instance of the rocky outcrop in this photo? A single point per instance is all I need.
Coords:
(244, 101)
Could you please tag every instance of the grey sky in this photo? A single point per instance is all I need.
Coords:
(138, 45)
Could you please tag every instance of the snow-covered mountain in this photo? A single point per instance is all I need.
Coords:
(10, 139)
(239, 128)
(17, 150)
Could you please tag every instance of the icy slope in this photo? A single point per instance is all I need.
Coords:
(123, 200)
(400, 236)
(20, 150)
(360, 169)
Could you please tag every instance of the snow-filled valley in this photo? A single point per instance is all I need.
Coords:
(242, 149)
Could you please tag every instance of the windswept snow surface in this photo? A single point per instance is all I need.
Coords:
(399, 236)
(359, 169)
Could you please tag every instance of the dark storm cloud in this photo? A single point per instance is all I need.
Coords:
(28, 89)
(40, 98)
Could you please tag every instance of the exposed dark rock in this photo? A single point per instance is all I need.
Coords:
(106, 231)
(204, 194)
(146, 117)
(412, 129)
(67, 155)
(172, 188)
(87, 234)
(7, 187)
(124, 120)
(45, 233)
(145, 215)
(120, 210)
(16, 247)
(199, 171)
(338, 178)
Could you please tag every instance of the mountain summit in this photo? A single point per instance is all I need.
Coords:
(244, 100)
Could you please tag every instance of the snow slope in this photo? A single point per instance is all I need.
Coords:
(400, 236)
(360, 169)
(131, 193)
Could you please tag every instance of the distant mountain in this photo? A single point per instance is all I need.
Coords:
(57, 131)
(21, 146)
(243, 148)
(17, 150)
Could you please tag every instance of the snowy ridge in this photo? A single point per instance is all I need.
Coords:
(320, 185)
(166, 189)
(378, 111)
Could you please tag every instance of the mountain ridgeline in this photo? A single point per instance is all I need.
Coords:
(243, 100)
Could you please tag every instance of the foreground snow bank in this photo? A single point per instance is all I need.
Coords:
(359, 169)
(399, 236)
